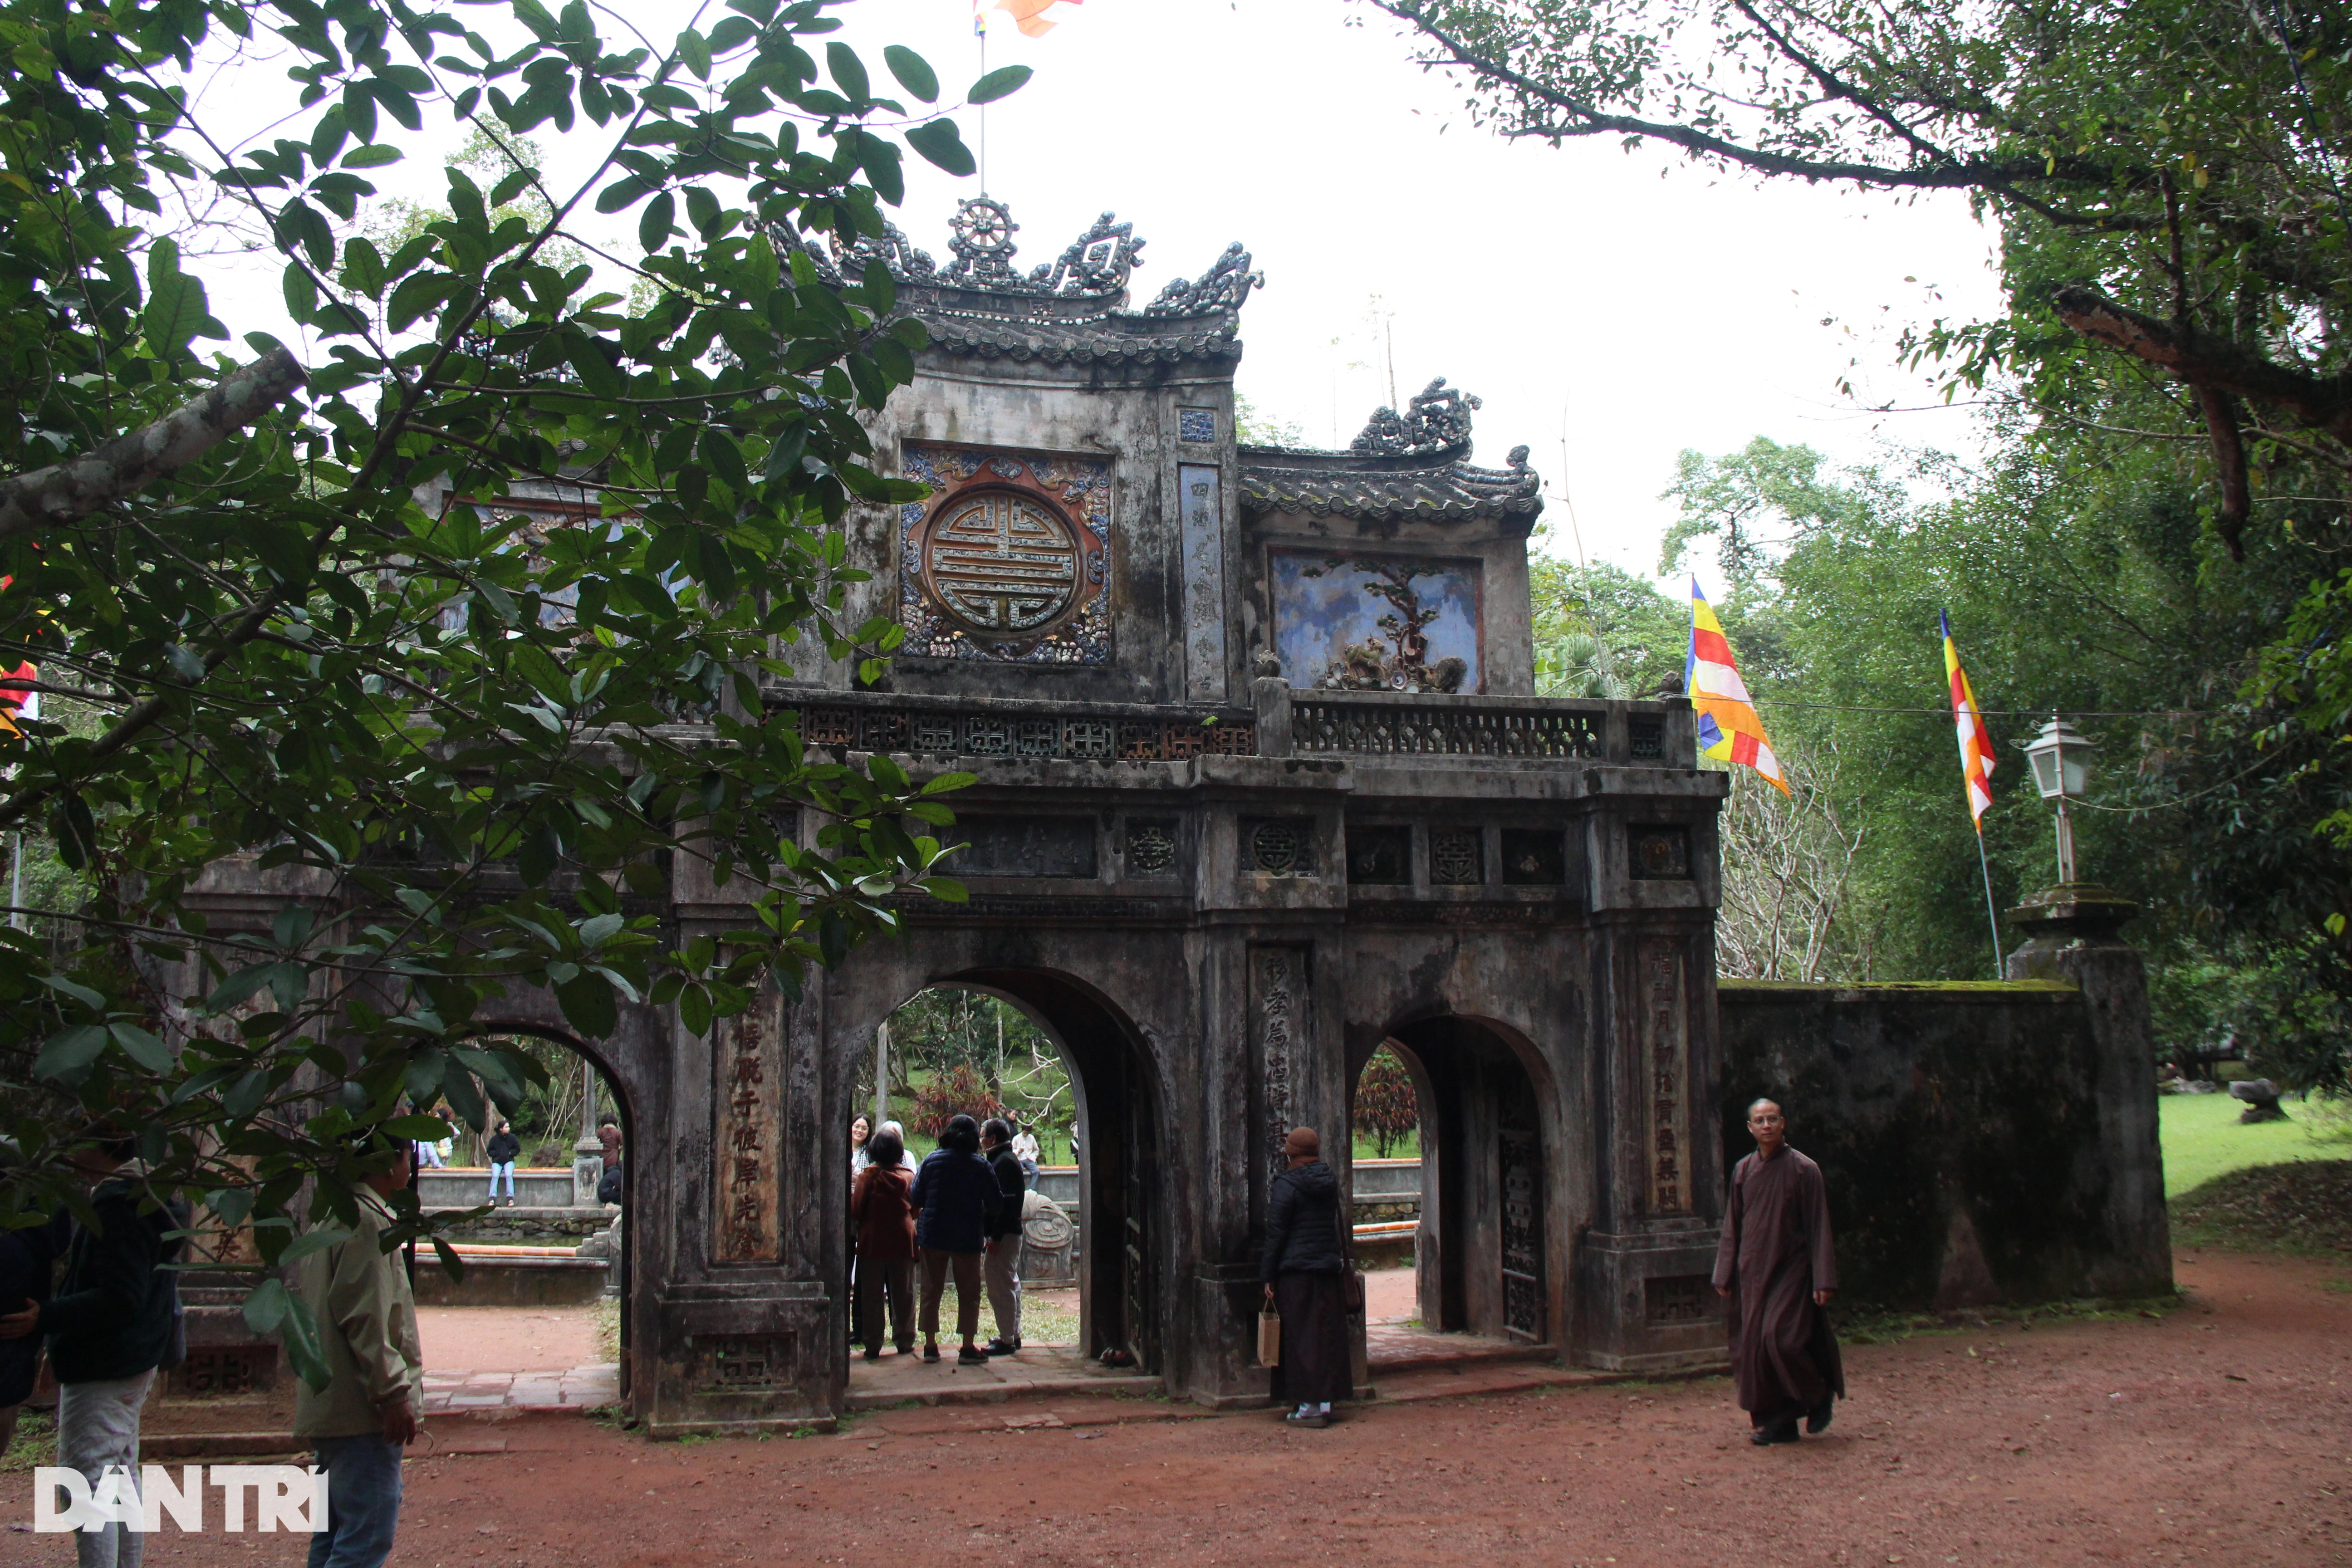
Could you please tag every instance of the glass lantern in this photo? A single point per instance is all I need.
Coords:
(2061, 758)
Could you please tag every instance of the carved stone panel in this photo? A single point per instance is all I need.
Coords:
(1665, 1056)
(744, 1363)
(747, 1138)
(1008, 559)
(1151, 847)
(1023, 846)
(1658, 854)
(1279, 1022)
(1201, 511)
(1534, 857)
(1380, 855)
(1679, 1298)
(1277, 846)
(1457, 857)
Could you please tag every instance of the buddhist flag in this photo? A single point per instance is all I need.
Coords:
(1029, 16)
(17, 699)
(1976, 742)
(1729, 729)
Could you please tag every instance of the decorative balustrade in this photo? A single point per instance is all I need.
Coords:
(1444, 727)
(947, 728)
(1315, 722)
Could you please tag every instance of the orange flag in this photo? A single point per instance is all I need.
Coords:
(1029, 16)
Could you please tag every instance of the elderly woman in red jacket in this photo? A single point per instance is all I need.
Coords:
(881, 1206)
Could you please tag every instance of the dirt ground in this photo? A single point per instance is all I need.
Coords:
(2221, 1433)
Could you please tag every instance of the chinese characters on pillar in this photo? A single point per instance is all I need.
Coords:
(747, 1138)
(1274, 972)
(1666, 1058)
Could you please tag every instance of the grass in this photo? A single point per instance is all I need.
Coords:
(35, 1444)
(1047, 1317)
(1872, 1327)
(2203, 1138)
(606, 1316)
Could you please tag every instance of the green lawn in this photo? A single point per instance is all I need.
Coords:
(2204, 1138)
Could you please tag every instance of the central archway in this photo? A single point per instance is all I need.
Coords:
(1483, 1254)
(1115, 1141)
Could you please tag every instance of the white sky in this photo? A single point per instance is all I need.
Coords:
(1610, 310)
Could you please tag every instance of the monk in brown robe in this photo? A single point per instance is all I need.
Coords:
(1779, 1269)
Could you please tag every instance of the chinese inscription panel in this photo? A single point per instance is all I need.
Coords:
(1665, 1071)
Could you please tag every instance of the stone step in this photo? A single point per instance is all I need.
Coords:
(1129, 1385)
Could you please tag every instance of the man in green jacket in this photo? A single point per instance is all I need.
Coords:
(375, 1386)
(107, 1329)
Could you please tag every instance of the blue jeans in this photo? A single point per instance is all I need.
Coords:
(362, 1502)
(496, 1171)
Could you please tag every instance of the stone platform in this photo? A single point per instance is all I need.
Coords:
(1037, 1370)
(576, 1389)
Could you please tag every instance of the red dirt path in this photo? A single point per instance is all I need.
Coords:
(2119, 1441)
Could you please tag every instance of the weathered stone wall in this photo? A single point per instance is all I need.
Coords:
(1966, 1131)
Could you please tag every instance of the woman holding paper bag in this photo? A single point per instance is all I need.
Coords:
(1302, 1272)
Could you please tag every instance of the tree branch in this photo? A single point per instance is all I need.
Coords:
(132, 461)
(2204, 360)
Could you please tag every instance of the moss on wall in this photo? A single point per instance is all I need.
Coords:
(1958, 1126)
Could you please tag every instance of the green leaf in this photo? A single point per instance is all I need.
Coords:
(940, 143)
(268, 1306)
(420, 1129)
(588, 1006)
(141, 1046)
(70, 1052)
(374, 156)
(621, 193)
(318, 1238)
(848, 71)
(694, 52)
(658, 221)
(998, 83)
(913, 72)
(177, 309)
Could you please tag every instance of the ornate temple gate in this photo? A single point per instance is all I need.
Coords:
(1261, 782)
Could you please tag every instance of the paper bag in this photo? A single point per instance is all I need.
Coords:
(1269, 1339)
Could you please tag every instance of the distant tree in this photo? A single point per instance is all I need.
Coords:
(1387, 1110)
(959, 1090)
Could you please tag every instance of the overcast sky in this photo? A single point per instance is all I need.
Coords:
(1610, 310)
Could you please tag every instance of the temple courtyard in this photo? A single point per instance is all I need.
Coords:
(2219, 1431)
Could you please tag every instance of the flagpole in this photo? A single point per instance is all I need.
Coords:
(1999, 968)
(980, 31)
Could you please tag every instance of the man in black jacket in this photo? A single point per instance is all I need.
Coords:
(1003, 1267)
(108, 1326)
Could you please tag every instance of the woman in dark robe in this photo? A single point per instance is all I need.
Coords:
(1304, 1261)
(1777, 1266)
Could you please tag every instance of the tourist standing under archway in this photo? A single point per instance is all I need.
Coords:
(1302, 1270)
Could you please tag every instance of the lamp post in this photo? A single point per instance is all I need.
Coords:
(2061, 772)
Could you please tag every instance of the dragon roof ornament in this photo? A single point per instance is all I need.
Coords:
(1436, 419)
(1095, 266)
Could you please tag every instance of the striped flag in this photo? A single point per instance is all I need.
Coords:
(1976, 742)
(1729, 729)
